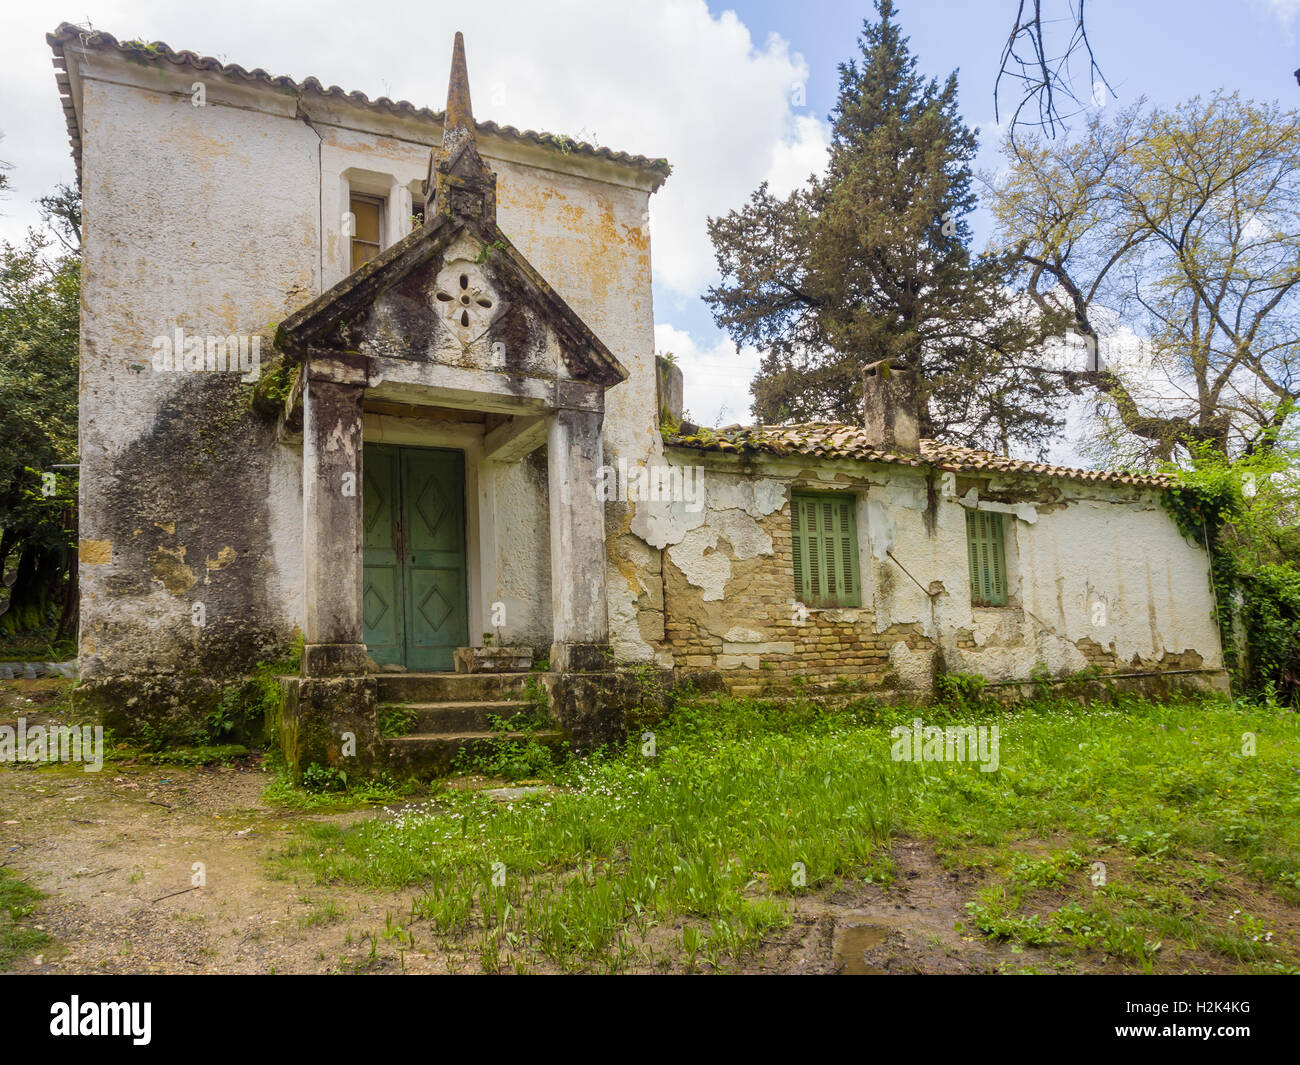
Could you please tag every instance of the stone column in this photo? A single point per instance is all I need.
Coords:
(579, 612)
(331, 505)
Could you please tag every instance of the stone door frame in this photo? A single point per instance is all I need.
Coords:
(565, 414)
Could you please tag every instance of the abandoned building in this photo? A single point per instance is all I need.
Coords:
(380, 381)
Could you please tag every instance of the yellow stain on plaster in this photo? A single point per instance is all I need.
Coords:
(224, 558)
(95, 552)
(169, 568)
(625, 566)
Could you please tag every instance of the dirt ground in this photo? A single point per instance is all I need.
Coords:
(115, 853)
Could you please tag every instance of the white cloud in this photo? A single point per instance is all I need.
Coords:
(716, 378)
(794, 160)
(1285, 12)
(661, 79)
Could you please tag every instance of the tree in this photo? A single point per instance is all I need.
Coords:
(1247, 513)
(39, 330)
(1182, 226)
(1043, 75)
(61, 212)
(870, 261)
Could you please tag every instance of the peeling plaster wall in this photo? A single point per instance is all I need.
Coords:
(1098, 575)
(226, 218)
(193, 220)
(591, 241)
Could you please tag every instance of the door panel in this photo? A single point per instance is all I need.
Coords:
(433, 509)
(415, 593)
(382, 601)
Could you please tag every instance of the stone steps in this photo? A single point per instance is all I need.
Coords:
(454, 712)
(435, 753)
(452, 687)
(475, 716)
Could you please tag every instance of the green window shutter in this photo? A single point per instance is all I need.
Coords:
(848, 546)
(829, 549)
(988, 561)
(799, 531)
(825, 550)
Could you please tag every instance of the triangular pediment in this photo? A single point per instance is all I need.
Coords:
(456, 292)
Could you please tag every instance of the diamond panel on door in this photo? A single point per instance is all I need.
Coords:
(414, 594)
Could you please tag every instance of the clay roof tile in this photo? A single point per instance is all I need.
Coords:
(159, 52)
(839, 441)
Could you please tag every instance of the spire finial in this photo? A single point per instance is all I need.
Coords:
(460, 114)
(458, 182)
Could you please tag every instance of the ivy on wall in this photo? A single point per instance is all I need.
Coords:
(1246, 513)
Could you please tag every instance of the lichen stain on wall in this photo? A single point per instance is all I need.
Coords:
(94, 552)
(168, 566)
(224, 558)
(193, 487)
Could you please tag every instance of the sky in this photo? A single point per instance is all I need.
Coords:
(732, 94)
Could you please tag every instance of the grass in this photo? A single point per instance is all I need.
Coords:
(524, 758)
(36, 647)
(17, 903)
(205, 754)
(746, 805)
(383, 791)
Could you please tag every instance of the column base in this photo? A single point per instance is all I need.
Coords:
(581, 657)
(590, 707)
(335, 659)
(329, 721)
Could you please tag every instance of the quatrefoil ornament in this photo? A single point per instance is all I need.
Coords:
(465, 300)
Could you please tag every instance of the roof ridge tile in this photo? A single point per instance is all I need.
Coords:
(845, 441)
(160, 50)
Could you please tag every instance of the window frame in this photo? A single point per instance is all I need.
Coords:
(986, 558)
(810, 565)
(381, 205)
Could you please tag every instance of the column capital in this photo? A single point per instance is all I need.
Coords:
(579, 395)
(338, 367)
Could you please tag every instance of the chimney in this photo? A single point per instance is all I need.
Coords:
(669, 386)
(889, 409)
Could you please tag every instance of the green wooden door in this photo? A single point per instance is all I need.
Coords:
(415, 590)
(381, 597)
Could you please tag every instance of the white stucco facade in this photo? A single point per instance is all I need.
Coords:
(222, 220)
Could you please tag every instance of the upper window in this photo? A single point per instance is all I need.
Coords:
(367, 227)
(825, 535)
(988, 558)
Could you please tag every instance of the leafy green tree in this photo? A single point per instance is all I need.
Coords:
(1247, 512)
(1181, 225)
(39, 333)
(871, 261)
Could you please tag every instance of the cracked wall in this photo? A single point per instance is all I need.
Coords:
(1098, 576)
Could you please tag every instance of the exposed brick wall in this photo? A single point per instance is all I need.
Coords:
(830, 645)
(752, 636)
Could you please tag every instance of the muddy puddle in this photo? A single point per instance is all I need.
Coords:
(852, 945)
